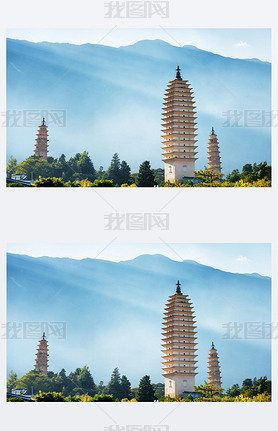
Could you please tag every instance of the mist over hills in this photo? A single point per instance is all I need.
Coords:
(113, 99)
(113, 314)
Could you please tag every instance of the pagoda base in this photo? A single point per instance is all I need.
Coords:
(178, 384)
(179, 171)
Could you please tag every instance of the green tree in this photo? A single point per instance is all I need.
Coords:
(125, 177)
(159, 390)
(35, 166)
(247, 168)
(114, 171)
(264, 385)
(86, 167)
(114, 386)
(86, 382)
(62, 168)
(11, 381)
(125, 388)
(233, 176)
(233, 391)
(11, 166)
(34, 381)
(248, 383)
(264, 171)
(145, 390)
(208, 390)
(158, 176)
(100, 173)
(145, 175)
(208, 175)
(100, 387)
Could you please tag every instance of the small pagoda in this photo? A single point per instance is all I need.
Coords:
(42, 355)
(179, 345)
(41, 141)
(179, 130)
(214, 153)
(214, 377)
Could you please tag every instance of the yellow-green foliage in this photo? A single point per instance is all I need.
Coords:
(262, 398)
(86, 183)
(126, 400)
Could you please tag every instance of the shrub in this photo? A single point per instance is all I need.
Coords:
(49, 182)
(49, 397)
(16, 399)
(103, 398)
(15, 185)
(102, 183)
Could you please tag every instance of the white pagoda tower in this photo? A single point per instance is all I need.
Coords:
(214, 153)
(179, 139)
(42, 356)
(214, 377)
(41, 141)
(179, 345)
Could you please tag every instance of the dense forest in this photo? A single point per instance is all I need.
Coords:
(79, 171)
(79, 385)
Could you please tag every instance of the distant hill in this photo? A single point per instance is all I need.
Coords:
(113, 313)
(113, 99)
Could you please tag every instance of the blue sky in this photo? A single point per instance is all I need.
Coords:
(236, 43)
(242, 258)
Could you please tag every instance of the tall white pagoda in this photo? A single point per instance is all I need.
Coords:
(42, 141)
(214, 377)
(42, 356)
(179, 133)
(179, 345)
(214, 153)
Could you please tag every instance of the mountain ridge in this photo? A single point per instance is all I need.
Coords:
(107, 92)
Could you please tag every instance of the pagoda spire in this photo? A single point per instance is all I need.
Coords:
(41, 141)
(214, 163)
(214, 377)
(178, 74)
(179, 345)
(42, 355)
(178, 289)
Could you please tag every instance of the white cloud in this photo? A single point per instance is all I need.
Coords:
(243, 259)
(242, 44)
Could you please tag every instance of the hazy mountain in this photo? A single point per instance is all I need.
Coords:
(113, 99)
(113, 314)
